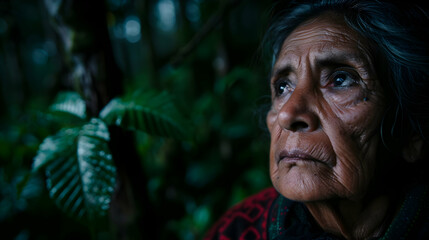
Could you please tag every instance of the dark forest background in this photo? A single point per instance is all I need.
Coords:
(127, 119)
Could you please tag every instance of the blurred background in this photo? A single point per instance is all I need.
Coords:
(204, 54)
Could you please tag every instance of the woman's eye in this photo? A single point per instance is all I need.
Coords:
(343, 79)
(280, 87)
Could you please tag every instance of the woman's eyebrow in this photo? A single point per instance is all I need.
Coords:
(326, 60)
(282, 70)
(340, 59)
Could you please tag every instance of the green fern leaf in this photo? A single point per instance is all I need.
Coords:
(70, 104)
(53, 147)
(80, 174)
(97, 170)
(148, 112)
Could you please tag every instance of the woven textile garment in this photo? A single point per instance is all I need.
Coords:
(268, 215)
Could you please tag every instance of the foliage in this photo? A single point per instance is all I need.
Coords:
(148, 112)
(80, 173)
(218, 91)
(79, 169)
(69, 103)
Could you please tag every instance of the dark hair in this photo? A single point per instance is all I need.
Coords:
(400, 35)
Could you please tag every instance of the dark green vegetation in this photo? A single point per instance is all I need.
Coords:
(159, 104)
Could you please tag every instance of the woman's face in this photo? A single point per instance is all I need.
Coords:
(327, 106)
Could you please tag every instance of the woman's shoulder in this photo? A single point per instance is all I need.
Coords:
(247, 219)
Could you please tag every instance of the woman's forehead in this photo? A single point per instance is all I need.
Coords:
(324, 37)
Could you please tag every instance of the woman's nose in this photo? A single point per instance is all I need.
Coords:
(297, 114)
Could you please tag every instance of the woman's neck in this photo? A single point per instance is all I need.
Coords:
(352, 219)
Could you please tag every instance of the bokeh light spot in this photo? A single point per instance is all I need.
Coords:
(165, 13)
(192, 12)
(40, 56)
(132, 29)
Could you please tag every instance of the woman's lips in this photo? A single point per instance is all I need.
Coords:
(297, 155)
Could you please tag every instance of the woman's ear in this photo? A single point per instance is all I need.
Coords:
(414, 150)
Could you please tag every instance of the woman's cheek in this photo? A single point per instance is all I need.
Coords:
(354, 140)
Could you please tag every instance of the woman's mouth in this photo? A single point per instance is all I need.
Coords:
(297, 155)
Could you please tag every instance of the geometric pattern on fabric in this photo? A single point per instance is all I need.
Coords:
(291, 220)
(247, 220)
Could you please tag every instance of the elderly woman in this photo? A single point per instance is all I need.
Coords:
(349, 116)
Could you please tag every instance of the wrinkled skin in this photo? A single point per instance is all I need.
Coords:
(335, 124)
(327, 106)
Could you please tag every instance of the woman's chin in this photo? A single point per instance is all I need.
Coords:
(302, 195)
(302, 185)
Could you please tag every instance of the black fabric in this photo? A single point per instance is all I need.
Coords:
(292, 221)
